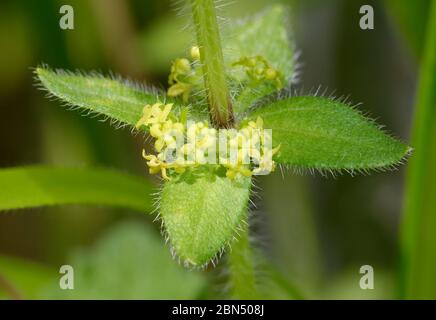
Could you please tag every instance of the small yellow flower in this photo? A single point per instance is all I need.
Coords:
(180, 67)
(259, 69)
(155, 130)
(195, 53)
(180, 89)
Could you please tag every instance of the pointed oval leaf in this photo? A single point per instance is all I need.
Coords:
(121, 101)
(321, 133)
(201, 212)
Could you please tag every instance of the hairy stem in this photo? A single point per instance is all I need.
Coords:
(211, 55)
(242, 275)
(419, 225)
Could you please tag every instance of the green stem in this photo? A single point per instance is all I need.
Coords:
(284, 283)
(419, 225)
(211, 55)
(242, 275)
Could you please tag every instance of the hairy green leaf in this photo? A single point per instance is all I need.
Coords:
(28, 187)
(316, 132)
(119, 101)
(129, 262)
(201, 211)
(265, 35)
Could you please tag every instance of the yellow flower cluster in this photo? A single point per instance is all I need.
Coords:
(186, 75)
(259, 69)
(183, 76)
(180, 146)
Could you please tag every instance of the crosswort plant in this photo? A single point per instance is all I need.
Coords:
(234, 80)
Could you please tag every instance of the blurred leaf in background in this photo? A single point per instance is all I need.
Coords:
(411, 17)
(129, 262)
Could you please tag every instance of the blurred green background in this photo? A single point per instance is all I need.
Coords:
(318, 231)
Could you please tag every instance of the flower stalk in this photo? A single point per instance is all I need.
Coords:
(242, 271)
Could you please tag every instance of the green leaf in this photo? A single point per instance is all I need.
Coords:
(419, 225)
(320, 133)
(266, 35)
(44, 186)
(201, 211)
(129, 262)
(120, 101)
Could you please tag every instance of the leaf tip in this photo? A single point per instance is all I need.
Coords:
(40, 71)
